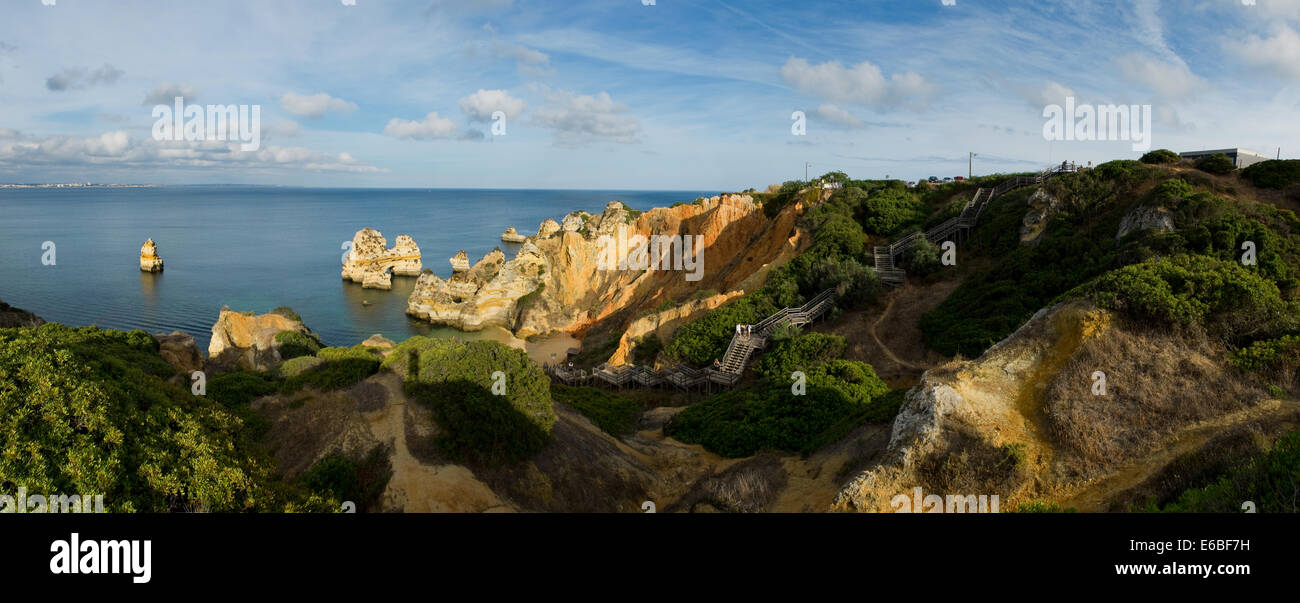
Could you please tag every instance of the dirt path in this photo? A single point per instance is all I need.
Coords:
(884, 348)
(1093, 497)
(414, 486)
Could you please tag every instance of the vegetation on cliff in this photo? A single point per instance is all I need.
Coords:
(839, 395)
(1079, 245)
(460, 383)
(89, 411)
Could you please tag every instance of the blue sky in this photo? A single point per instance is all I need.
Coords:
(682, 94)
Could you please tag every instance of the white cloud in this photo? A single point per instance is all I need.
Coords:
(19, 151)
(166, 93)
(526, 59)
(839, 116)
(429, 128)
(314, 105)
(576, 120)
(862, 84)
(1169, 80)
(1279, 54)
(1052, 93)
(480, 105)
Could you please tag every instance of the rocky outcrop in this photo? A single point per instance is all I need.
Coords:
(149, 260)
(1028, 420)
(459, 262)
(180, 351)
(11, 317)
(246, 340)
(547, 228)
(372, 263)
(512, 236)
(1042, 207)
(664, 324)
(1145, 217)
(559, 283)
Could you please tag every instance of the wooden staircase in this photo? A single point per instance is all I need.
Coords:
(743, 345)
(957, 228)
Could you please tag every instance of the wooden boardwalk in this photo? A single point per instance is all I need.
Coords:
(682, 377)
(956, 229)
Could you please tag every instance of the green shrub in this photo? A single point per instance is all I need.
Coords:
(922, 259)
(287, 312)
(613, 413)
(478, 426)
(891, 210)
(1278, 174)
(455, 380)
(296, 344)
(840, 396)
(341, 367)
(358, 480)
(1160, 156)
(297, 366)
(1217, 163)
(1197, 292)
(90, 411)
(241, 387)
(798, 354)
(1270, 480)
(647, 349)
(1269, 355)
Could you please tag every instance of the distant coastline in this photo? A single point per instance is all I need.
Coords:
(74, 185)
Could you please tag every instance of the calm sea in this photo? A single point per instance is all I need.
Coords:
(253, 248)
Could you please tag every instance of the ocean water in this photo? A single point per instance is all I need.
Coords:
(253, 248)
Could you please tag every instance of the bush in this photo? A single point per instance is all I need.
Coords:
(614, 414)
(241, 387)
(297, 366)
(296, 344)
(339, 368)
(345, 478)
(1189, 291)
(891, 210)
(1160, 156)
(841, 395)
(1278, 174)
(800, 353)
(455, 380)
(1269, 355)
(1217, 163)
(287, 312)
(90, 411)
(1269, 480)
(922, 259)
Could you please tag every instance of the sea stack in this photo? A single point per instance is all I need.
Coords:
(459, 262)
(512, 236)
(149, 260)
(371, 263)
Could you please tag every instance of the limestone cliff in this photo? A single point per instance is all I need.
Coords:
(149, 260)
(1027, 420)
(372, 263)
(558, 281)
(247, 340)
(664, 324)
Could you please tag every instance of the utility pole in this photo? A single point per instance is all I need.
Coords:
(806, 165)
(970, 167)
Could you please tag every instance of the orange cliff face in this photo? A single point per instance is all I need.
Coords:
(589, 270)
